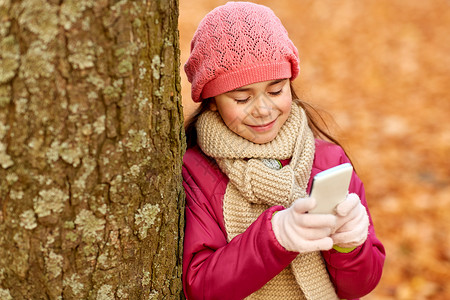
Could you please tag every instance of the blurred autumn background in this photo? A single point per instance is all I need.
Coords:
(381, 69)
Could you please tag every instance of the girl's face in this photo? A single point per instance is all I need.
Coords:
(256, 111)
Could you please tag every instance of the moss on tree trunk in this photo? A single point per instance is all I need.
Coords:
(91, 145)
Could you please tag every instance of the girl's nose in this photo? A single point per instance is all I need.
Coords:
(262, 107)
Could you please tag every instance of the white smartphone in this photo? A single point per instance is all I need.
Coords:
(330, 187)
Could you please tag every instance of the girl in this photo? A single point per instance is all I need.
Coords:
(253, 149)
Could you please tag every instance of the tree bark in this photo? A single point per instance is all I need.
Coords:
(91, 145)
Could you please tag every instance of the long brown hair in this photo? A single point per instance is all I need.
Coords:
(316, 121)
(189, 128)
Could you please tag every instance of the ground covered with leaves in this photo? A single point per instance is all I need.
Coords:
(381, 69)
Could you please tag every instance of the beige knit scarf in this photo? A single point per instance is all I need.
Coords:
(254, 187)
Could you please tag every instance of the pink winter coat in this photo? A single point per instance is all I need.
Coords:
(216, 269)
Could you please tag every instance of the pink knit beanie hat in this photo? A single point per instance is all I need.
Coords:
(237, 44)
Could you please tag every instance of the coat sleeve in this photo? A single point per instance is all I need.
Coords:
(212, 267)
(357, 273)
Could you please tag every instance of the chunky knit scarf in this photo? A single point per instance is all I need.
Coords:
(254, 186)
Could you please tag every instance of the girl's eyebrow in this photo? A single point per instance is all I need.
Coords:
(243, 89)
(277, 81)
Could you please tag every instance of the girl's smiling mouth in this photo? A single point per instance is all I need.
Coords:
(264, 127)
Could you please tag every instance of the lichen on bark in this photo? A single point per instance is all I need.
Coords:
(90, 159)
(10, 54)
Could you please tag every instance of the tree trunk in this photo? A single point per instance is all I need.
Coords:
(91, 145)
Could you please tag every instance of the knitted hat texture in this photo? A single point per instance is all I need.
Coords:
(237, 44)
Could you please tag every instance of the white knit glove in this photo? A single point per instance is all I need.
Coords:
(352, 223)
(298, 231)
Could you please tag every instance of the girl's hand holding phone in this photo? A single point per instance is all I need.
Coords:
(352, 223)
(298, 231)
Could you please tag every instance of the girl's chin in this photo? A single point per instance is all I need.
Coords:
(256, 136)
(263, 138)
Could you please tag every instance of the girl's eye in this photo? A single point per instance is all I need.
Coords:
(276, 93)
(242, 101)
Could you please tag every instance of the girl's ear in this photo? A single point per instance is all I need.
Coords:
(213, 105)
